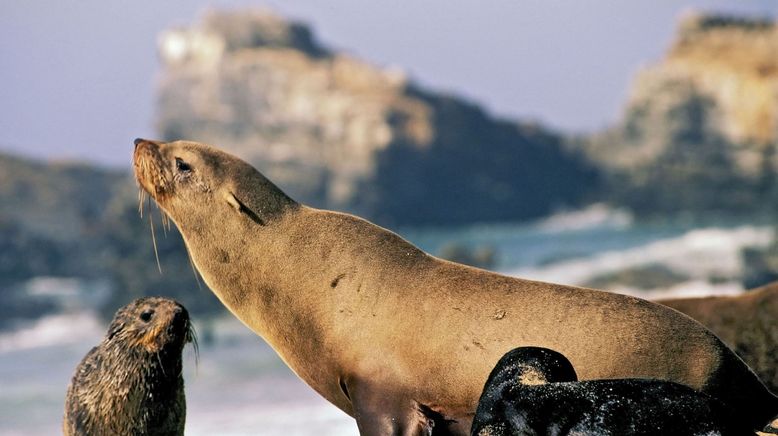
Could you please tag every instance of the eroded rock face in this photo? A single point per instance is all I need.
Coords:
(338, 132)
(700, 129)
(736, 62)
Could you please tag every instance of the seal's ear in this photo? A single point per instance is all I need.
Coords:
(240, 207)
(113, 329)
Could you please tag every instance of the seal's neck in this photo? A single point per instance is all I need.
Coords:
(257, 275)
(243, 263)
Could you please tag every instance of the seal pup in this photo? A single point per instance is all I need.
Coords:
(534, 391)
(748, 323)
(132, 382)
(398, 339)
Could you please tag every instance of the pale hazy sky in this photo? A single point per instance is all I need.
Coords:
(77, 76)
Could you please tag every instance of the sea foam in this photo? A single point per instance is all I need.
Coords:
(699, 254)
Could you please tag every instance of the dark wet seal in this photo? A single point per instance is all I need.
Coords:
(534, 391)
(132, 382)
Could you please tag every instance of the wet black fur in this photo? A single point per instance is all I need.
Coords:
(564, 406)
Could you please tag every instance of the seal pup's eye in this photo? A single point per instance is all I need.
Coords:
(146, 315)
(182, 166)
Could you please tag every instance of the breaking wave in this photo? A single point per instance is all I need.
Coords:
(698, 254)
(61, 329)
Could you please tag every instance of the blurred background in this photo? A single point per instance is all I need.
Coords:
(627, 146)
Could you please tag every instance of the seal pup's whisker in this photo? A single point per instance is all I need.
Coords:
(161, 366)
(191, 336)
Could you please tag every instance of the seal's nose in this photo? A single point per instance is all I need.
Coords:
(180, 314)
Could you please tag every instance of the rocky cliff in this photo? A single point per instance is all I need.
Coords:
(700, 129)
(338, 132)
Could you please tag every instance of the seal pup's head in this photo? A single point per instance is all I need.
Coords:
(197, 185)
(132, 382)
(531, 366)
(151, 325)
(520, 367)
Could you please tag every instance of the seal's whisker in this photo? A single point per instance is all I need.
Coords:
(161, 366)
(154, 243)
(191, 336)
(141, 197)
(194, 269)
(163, 219)
(166, 220)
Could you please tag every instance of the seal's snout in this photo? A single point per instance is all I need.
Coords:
(151, 172)
(179, 322)
(180, 316)
(148, 144)
(139, 141)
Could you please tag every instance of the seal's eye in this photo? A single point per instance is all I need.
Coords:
(182, 166)
(146, 315)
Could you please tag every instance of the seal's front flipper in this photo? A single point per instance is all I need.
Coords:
(381, 413)
(408, 422)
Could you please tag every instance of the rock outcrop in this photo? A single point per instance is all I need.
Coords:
(338, 132)
(54, 200)
(78, 222)
(700, 130)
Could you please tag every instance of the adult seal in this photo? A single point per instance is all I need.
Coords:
(131, 383)
(398, 339)
(748, 323)
(535, 391)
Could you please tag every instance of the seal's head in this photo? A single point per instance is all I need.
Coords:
(197, 185)
(531, 366)
(132, 382)
(518, 368)
(151, 325)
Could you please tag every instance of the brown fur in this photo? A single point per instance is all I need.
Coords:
(131, 383)
(748, 323)
(396, 338)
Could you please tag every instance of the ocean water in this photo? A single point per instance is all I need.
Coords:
(237, 387)
(240, 387)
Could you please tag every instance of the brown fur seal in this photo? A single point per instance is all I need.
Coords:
(131, 383)
(397, 338)
(748, 323)
(535, 391)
